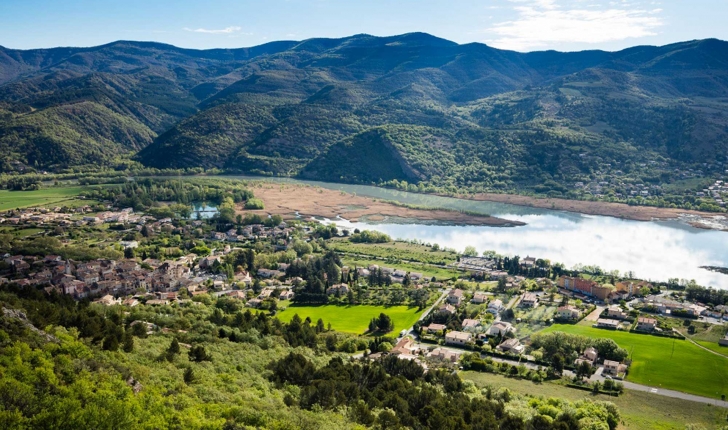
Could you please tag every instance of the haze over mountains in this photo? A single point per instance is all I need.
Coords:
(369, 109)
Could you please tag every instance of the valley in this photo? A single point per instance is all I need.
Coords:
(397, 232)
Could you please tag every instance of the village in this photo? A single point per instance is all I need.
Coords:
(491, 313)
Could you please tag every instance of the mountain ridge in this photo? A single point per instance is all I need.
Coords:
(278, 108)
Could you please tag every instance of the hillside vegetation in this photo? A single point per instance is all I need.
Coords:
(403, 111)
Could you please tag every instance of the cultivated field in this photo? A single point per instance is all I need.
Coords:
(639, 410)
(43, 197)
(395, 251)
(353, 319)
(427, 270)
(663, 362)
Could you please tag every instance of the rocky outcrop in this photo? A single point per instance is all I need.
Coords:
(20, 315)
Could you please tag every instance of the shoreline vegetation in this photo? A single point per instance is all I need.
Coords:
(697, 219)
(717, 269)
(287, 200)
(616, 210)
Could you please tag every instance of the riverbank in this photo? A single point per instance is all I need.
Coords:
(310, 201)
(707, 220)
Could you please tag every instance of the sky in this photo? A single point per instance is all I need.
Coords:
(521, 25)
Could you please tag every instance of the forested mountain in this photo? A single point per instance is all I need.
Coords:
(412, 108)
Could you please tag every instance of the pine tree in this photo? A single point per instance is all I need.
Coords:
(173, 350)
(128, 342)
(111, 343)
(373, 325)
(198, 353)
(189, 376)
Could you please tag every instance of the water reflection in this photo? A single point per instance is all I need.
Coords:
(655, 250)
(203, 211)
(652, 250)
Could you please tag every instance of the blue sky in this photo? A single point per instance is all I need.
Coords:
(523, 25)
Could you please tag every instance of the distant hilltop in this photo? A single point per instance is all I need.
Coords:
(413, 108)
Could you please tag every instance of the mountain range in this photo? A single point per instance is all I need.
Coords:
(412, 108)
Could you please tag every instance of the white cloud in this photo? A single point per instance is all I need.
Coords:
(541, 23)
(226, 30)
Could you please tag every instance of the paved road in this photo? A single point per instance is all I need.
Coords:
(662, 392)
(674, 394)
(628, 385)
(427, 312)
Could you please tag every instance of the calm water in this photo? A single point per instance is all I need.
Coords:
(203, 211)
(654, 250)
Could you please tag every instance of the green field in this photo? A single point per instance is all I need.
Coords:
(353, 319)
(714, 346)
(639, 410)
(42, 197)
(663, 362)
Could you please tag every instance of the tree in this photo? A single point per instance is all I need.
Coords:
(128, 345)
(470, 251)
(111, 343)
(557, 362)
(129, 253)
(189, 376)
(173, 350)
(320, 326)
(584, 370)
(198, 353)
(384, 323)
(139, 329)
(373, 325)
(501, 287)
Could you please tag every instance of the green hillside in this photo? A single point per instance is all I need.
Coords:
(629, 125)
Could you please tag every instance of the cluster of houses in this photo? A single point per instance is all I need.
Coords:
(406, 349)
(280, 292)
(111, 277)
(587, 289)
(486, 268)
(666, 306)
(123, 216)
(717, 192)
(57, 216)
(41, 216)
(280, 233)
(610, 367)
(472, 328)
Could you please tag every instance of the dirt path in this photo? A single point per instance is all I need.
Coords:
(707, 349)
(310, 201)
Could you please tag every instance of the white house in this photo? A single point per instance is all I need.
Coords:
(500, 328)
(495, 306)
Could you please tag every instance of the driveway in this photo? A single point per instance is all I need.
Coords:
(595, 313)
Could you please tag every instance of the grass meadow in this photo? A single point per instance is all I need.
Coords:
(42, 197)
(664, 362)
(639, 410)
(353, 319)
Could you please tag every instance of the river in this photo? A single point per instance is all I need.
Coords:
(653, 250)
